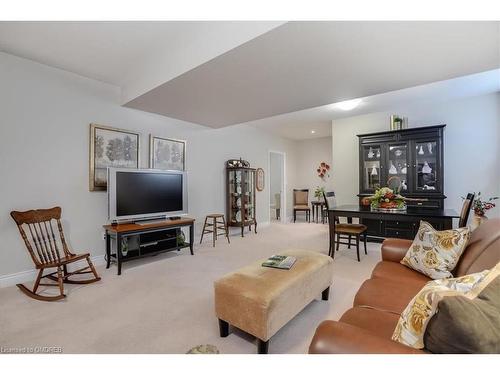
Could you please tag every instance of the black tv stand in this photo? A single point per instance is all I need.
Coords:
(135, 241)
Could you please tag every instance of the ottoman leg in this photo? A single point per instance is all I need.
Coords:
(223, 328)
(325, 294)
(262, 346)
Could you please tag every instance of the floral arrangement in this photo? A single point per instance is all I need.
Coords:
(318, 193)
(480, 206)
(387, 199)
(323, 170)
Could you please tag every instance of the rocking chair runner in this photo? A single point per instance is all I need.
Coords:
(40, 239)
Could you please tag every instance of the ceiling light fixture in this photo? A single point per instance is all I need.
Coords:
(313, 131)
(348, 104)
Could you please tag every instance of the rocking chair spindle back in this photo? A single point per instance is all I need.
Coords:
(44, 247)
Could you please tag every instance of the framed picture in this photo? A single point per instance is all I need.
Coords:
(260, 183)
(167, 154)
(110, 147)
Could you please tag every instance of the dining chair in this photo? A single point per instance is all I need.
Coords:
(344, 231)
(466, 207)
(301, 203)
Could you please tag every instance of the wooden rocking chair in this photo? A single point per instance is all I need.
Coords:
(44, 249)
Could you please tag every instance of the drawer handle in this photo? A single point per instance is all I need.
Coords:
(419, 203)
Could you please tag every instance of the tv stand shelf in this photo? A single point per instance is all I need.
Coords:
(134, 241)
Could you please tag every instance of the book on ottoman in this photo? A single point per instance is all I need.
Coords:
(282, 262)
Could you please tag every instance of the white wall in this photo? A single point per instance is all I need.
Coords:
(310, 153)
(471, 146)
(44, 151)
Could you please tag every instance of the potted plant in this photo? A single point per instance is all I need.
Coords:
(480, 208)
(318, 193)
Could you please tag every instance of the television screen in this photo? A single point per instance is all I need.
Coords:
(145, 193)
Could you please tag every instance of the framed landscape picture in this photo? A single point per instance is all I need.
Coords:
(110, 147)
(167, 154)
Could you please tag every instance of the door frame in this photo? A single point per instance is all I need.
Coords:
(283, 213)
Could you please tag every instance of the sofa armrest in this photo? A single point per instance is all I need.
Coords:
(394, 249)
(341, 338)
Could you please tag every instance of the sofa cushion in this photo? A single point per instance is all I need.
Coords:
(436, 253)
(398, 273)
(464, 325)
(386, 295)
(413, 322)
(380, 323)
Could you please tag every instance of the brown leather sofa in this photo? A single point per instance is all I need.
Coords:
(368, 326)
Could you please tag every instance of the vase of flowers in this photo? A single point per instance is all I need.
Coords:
(318, 193)
(480, 208)
(385, 199)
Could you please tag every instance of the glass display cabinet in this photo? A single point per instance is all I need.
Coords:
(372, 168)
(240, 210)
(426, 166)
(409, 159)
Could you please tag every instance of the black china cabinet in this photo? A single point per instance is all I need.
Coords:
(411, 159)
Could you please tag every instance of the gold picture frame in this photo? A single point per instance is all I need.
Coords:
(110, 147)
(167, 153)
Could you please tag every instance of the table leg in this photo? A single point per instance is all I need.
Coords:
(119, 252)
(331, 227)
(191, 238)
(108, 250)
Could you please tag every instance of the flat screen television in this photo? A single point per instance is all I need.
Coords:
(135, 194)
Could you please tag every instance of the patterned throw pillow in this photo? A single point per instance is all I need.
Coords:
(436, 253)
(413, 321)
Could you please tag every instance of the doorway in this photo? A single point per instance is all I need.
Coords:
(277, 191)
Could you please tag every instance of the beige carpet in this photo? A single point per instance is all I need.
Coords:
(164, 304)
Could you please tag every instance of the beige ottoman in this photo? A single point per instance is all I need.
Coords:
(260, 300)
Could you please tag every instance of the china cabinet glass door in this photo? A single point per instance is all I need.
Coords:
(397, 167)
(373, 172)
(248, 197)
(426, 166)
(236, 195)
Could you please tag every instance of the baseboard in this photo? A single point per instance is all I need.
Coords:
(30, 275)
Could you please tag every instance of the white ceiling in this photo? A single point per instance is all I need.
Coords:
(302, 65)
(136, 56)
(224, 73)
(298, 125)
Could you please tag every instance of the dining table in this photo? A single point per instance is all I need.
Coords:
(395, 224)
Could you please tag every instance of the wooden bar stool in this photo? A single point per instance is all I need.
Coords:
(214, 227)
